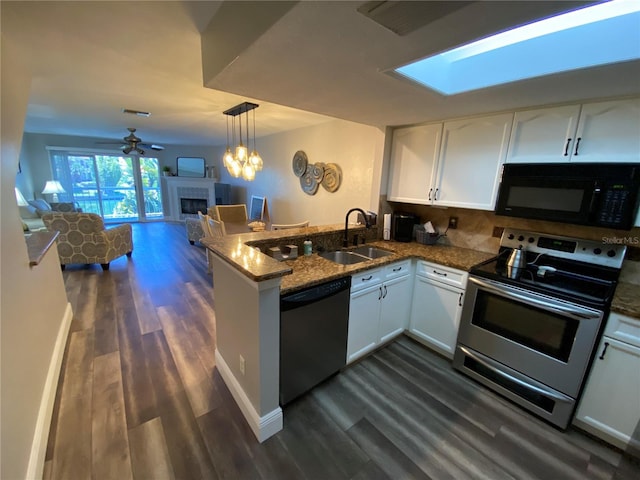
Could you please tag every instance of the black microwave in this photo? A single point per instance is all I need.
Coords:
(595, 194)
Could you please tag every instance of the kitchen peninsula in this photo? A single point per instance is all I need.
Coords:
(247, 288)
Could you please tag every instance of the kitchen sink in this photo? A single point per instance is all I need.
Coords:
(344, 257)
(357, 255)
(372, 252)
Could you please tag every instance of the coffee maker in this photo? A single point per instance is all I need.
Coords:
(403, 226)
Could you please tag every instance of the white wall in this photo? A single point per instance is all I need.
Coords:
(356, 148)
(33, 302)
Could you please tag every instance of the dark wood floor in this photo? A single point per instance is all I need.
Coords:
(140, 397)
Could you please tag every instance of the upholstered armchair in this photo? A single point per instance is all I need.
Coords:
(84, 239)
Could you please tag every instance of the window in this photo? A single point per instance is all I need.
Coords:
(597, 35)
(116, 187)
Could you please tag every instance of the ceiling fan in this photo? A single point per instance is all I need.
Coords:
(131, 143)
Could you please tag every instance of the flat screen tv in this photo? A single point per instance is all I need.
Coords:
(191, 167)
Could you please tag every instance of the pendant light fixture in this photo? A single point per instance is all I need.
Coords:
(238, 162)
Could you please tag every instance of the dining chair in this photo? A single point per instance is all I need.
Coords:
(204, 223)
(216, 227)
(283, 226)
(232, 213)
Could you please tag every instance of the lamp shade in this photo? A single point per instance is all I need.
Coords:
(53, 186)
(22, 202)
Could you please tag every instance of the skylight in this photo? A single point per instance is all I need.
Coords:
(598, 35)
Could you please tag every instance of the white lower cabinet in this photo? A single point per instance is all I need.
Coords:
(379, 307)
(610, 403)
(437, 305)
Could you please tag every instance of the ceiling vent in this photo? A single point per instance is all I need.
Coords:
(135, 112)
(404, 17)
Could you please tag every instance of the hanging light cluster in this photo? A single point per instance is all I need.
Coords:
(240, 163)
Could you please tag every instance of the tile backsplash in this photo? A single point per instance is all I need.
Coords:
(476, 230)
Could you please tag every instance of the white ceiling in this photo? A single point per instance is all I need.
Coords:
(92, 59)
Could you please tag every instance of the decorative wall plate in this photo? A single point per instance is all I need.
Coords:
(317, 171)
(308, 183)
(332, 177)
(300, 163)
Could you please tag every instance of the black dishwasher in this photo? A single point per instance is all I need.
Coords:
(313, 336)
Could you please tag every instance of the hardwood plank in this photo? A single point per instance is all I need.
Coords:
(387, 456)
(148, 320)
(105, 324)
(318, 445)
(139, 397)
(198, 385)
(228, 450)
(72, 454)
(149, 452)
(85, 310)
(371, 471)
(110, 442)
(187, 450)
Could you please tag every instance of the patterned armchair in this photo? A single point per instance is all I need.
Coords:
(83, 238)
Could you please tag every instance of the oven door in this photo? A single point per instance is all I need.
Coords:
(533, 348)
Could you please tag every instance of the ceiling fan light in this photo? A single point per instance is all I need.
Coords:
(127, 150)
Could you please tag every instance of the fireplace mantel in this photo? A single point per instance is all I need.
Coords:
(187, 187)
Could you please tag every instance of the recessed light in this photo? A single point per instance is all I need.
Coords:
(135, 112)
(602, 34)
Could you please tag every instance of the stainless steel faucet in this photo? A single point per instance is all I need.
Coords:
(345, 242)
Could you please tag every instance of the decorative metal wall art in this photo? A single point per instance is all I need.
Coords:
(313, 175)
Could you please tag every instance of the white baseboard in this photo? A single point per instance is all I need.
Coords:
(262, 427)
(43, 422)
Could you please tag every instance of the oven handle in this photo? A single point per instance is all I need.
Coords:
(522, 383)
(547, 304)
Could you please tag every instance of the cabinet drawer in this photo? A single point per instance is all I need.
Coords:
(366, 279)
(623, 328)
(397, 269)
(447, 275)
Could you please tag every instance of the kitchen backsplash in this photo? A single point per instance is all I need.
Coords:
(481, 230)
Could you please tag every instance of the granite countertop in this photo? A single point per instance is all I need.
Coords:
(313, 270)
(306, 271)
(626, 300)
(38, 244)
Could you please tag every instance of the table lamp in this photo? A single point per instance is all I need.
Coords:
(53, 187)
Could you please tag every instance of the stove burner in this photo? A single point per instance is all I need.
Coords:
(572, 277)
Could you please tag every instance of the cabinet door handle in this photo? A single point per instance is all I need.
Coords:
(380, 293)
(577, 145)
(460, 300)
(385, 292)
(566, 147)
(397, 269)
(366, 279)
(438, 273)
(606, 345)
(429, 197)
(435, 195)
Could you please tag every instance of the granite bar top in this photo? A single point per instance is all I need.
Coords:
(306, 271)
(626, 300)
(38, 244)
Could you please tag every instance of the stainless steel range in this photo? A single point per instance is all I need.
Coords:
(528, 331)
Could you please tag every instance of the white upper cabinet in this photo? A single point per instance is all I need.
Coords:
(544, 135)
(608, 132)
(593, 132)
(414, 152)
(472, 153)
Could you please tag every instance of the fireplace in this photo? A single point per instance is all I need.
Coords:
(187, 195)
(193, 205)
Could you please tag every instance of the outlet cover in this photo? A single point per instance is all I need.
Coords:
(453, 223)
